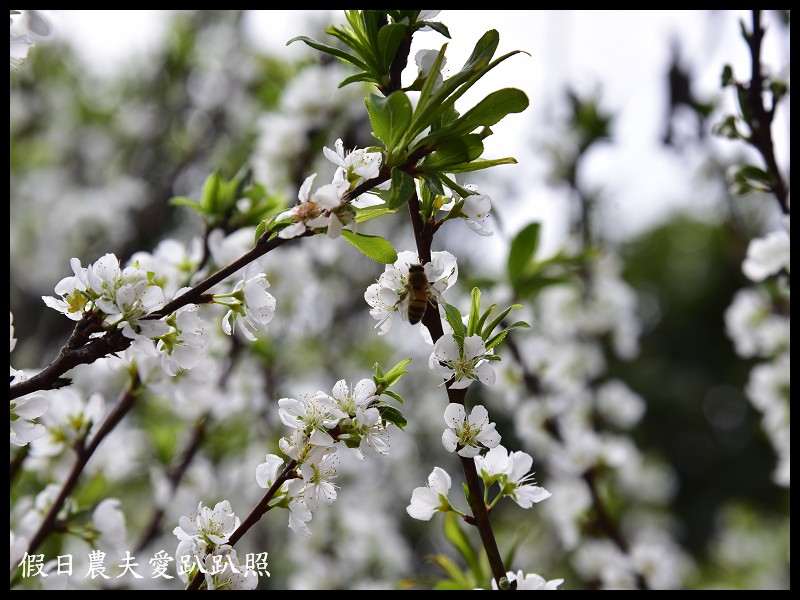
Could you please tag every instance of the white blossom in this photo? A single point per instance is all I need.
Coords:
(267, 472)
(425, 60)
(313, 212)
(23, 412)
(109, 522)
(767, 255)
(313, 414)
(224, 571)
(472, 434)
(354, 168)
(28, 29)
(427, 500)
(186, 344)
(254, 305)
(384, 297)
(208, 526)
(462, 364)
(512, 472)
(69, 417)
(318, 470)
(530, 581)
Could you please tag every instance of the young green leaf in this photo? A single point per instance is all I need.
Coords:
(453, 151)
(373, 246)
(392, 415)
(523, 248)
(456, 536)
(397, 371)
(330, 50)
(402, 188)
(499, 337)
(389, 117)
(453, 317)
(474, 311)
(372, 212)
(496, 321)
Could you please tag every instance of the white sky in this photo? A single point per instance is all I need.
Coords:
(623, 53)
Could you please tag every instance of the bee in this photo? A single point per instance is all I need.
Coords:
(417, 296)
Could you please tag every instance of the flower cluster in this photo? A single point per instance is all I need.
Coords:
(386, 297)
(126, 299)
(321, 423)
(325, 207)
(203, 546)
(758, 323)
(123, 296)
(509, 470)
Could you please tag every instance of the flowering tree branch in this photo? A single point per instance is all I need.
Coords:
(255, 515)
(124, 404)
(424, 239)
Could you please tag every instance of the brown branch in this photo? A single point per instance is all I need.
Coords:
(423, 233)
(761, 122)
(124, 404)
(255, 515)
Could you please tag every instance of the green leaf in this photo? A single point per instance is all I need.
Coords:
(474, 311)
(486, 113)
(454, 318)
(358, 77)
(373, 246)
(456, 536)
(427, 89)
(459, 580)
(744, 105)
(390, 117)
(188, 203)
(389, 38)
(779, 89)
(438, 27)
(394, 395)
(402, 188)
(496, 321)
(749, 178)
(392, 415)
(482, 320)
(260, 229)
(397, 371)
(727, 76)
(444, 98)
(477, 165)
(373, 212)
(499, 337)
(523, 249)
(434, 183)
(727, 128)
(376, 368)
(483, 51)
(454, 186)
(453, 151)
(331, 50)
(211, 189)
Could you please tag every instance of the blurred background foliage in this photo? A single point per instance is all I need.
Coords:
(93, 165)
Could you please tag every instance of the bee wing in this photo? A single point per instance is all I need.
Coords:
(435, 295)
(402, 305)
